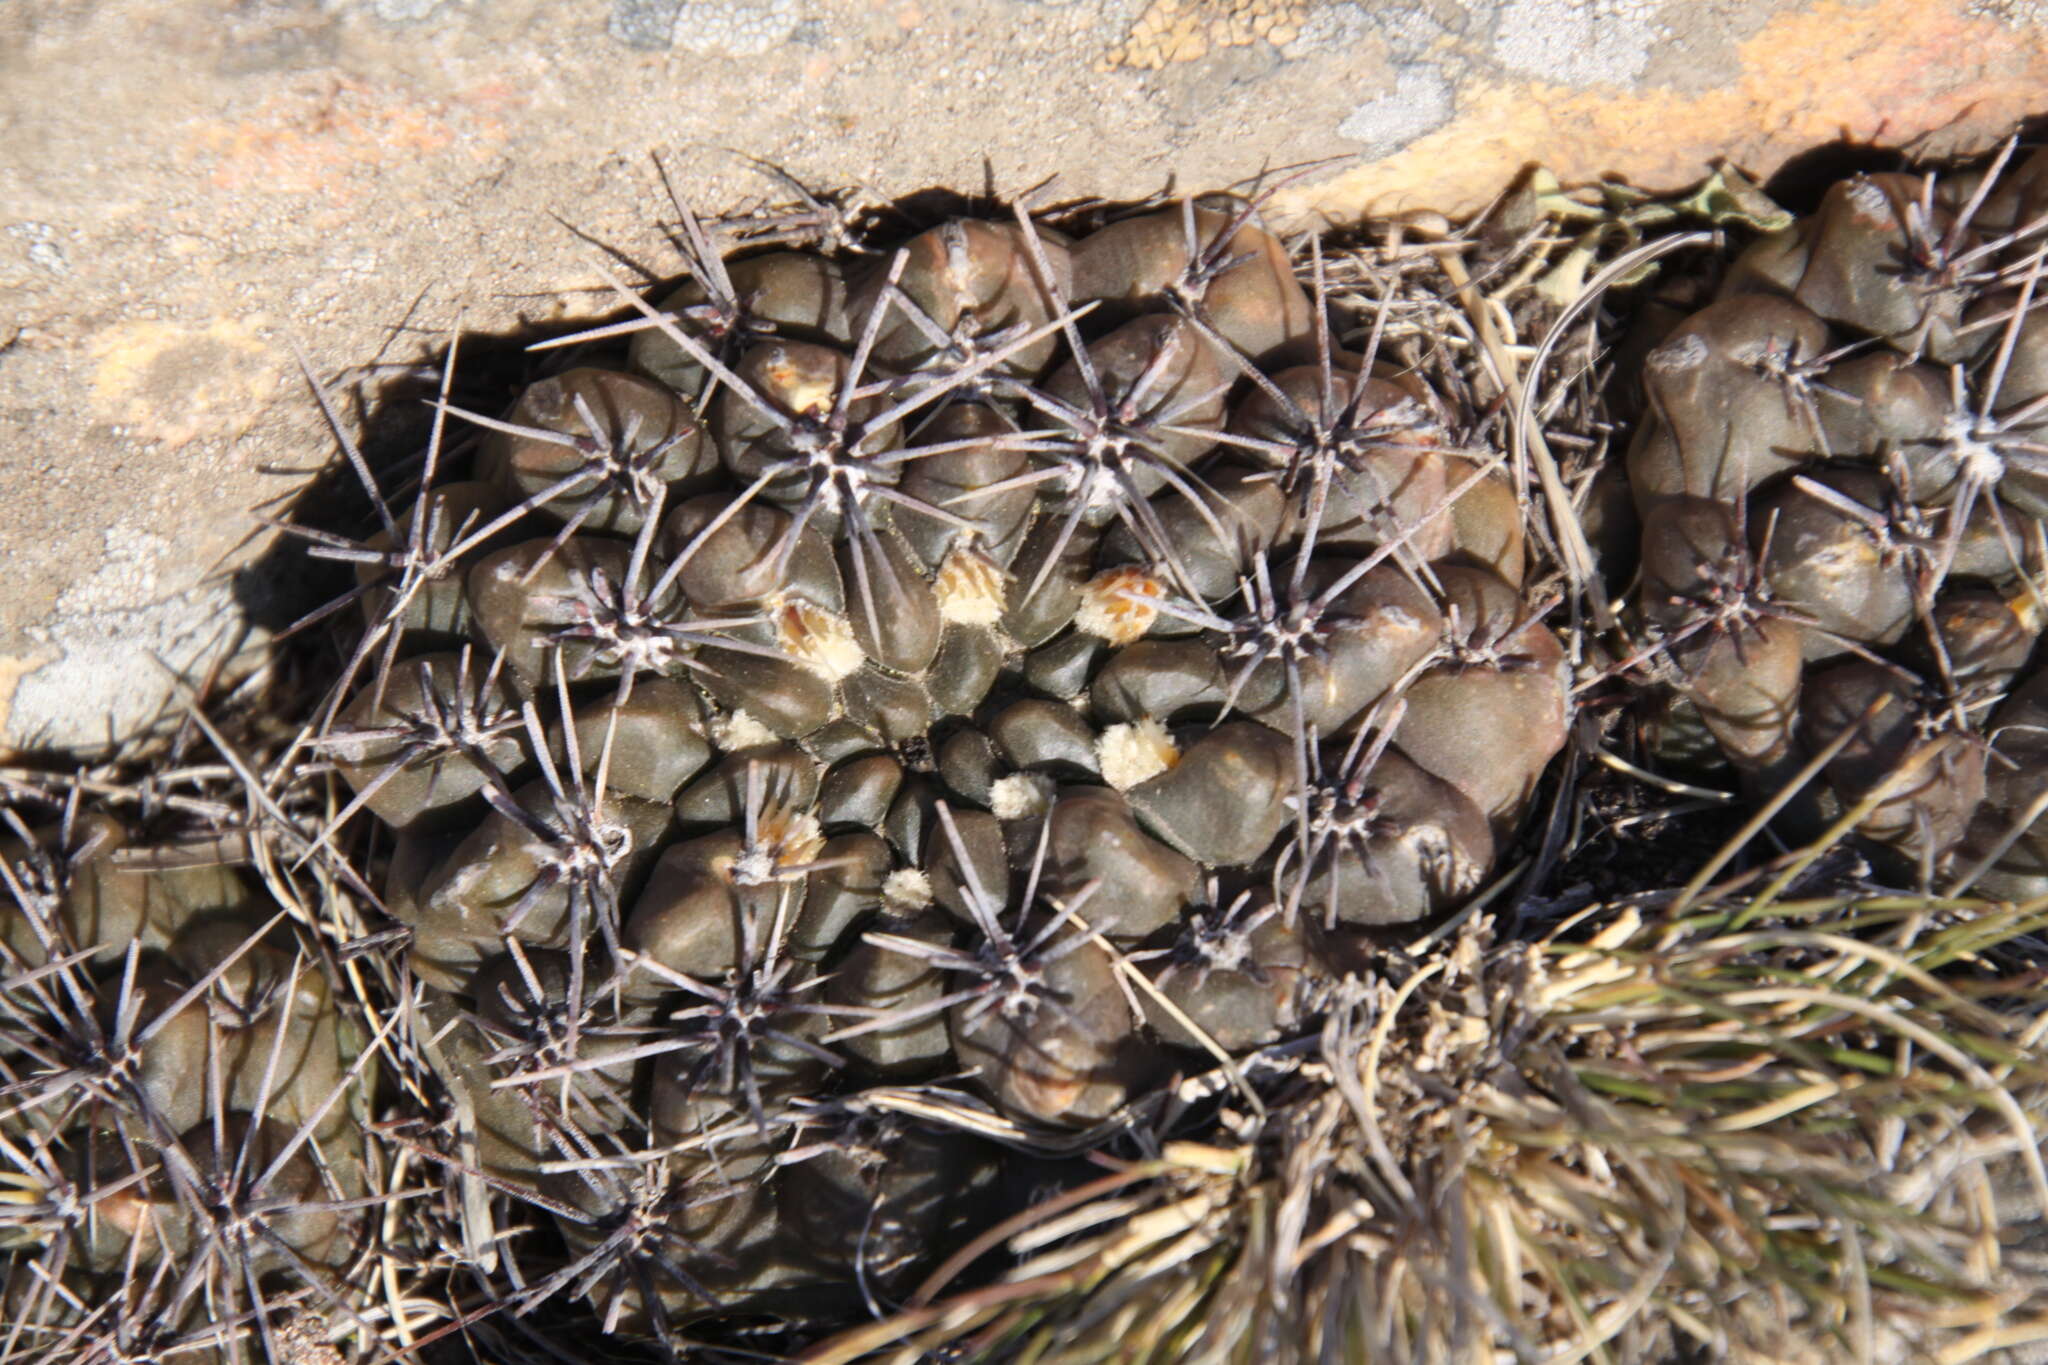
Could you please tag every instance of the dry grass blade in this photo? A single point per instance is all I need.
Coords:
(1580, 567)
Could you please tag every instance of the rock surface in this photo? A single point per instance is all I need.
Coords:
(189, 189)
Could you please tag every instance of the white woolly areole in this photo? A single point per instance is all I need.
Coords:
(969, 587)
(799, 387)
(907, 887)
(784, 838)
(820, 640)
(1132, 753)
(1117, 604)
(1018, 795)
(740, 731)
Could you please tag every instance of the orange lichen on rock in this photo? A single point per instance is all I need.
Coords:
(1186, 30)
(315, 142)
(1878, 70)
(177, 382)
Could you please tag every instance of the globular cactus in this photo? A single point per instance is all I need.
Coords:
(998, 670)
(1839, 480)
(187, 1080)
(886, 725)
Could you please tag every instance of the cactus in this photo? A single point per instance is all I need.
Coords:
(1835, 484)
(897, 726)
(876, 675)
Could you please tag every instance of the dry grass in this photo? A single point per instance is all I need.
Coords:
(1635, 1139)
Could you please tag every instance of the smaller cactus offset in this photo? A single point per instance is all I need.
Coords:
(188, 1072)
(1842, 559)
